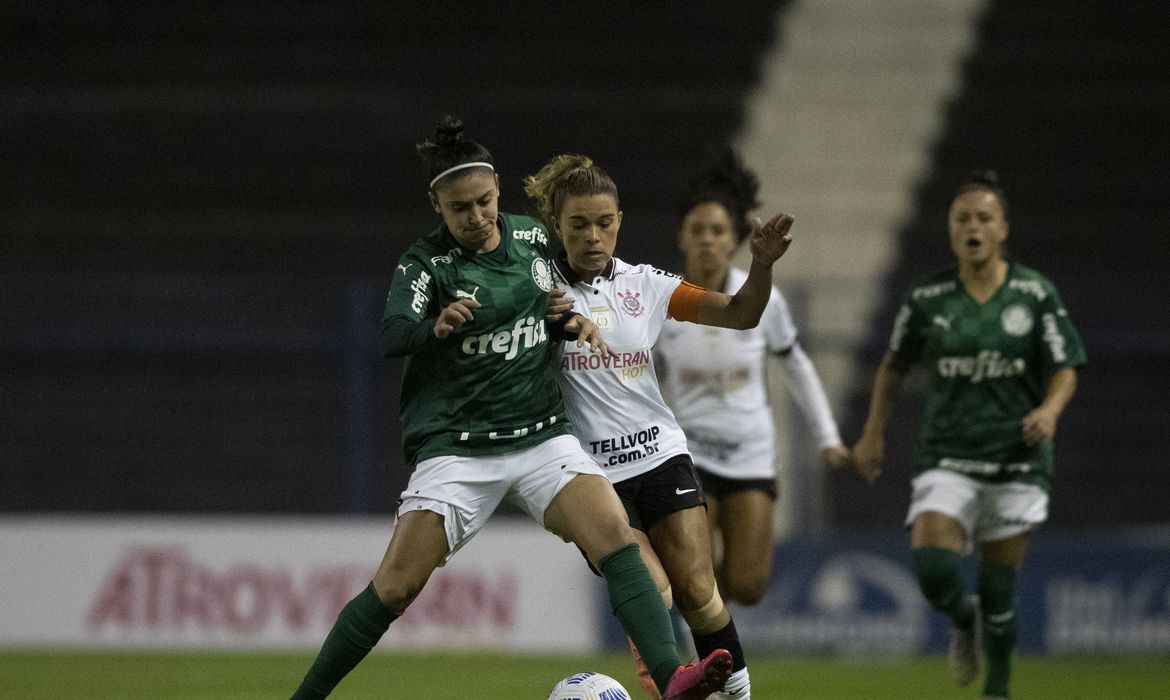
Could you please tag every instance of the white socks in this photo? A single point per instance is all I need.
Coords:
(738, 687)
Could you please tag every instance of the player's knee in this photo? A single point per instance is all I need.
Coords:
(938, 572)
(744, 584)
(397, 592)
(745, 589)
(708, 616)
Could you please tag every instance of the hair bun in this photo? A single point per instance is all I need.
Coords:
(986, 177)
(726, 180)
(448, 131)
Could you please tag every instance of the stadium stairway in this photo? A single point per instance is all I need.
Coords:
(1068, 103)
(839, 128)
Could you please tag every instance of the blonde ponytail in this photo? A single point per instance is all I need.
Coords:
(562, 177)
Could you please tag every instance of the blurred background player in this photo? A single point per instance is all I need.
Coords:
(714, 380)
(1002, 355)
(484, 421)
(614, 402)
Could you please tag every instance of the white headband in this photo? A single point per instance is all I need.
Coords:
(448, 171)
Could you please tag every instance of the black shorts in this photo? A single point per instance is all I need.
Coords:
(668, 488)
(720, 486)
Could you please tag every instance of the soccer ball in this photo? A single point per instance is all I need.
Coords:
(589, 686)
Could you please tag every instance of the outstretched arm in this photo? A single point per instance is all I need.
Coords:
(768, 243)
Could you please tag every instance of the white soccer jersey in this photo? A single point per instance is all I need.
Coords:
(714, 378)
(614, 403)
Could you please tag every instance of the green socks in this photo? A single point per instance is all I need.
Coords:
(638, 605)
(359, 626)
(940, 577)
(997, 588)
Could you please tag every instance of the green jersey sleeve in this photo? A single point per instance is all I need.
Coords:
(411, 308)
(1061, 345)
(908, 338)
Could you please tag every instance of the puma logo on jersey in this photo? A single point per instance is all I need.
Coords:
(460, 294)
(527, 333)
(403, 267)
(941, 321)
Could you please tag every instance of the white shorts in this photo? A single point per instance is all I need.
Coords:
(988, 512)
(466, 490)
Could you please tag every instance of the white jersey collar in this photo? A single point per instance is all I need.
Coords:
(566, 271)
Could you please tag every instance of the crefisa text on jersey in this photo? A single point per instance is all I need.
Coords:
(419, 287)
(529, 331)
(531, 235)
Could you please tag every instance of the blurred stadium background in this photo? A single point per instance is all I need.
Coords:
(201, 205)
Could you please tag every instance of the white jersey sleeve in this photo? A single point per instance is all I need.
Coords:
(776, 323)
(809, 395)
(800, 376)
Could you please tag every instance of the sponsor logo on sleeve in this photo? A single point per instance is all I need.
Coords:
(419, 286)
(1053, 337)
(900, 326)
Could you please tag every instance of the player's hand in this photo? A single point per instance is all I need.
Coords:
(836, 457)
(771, 240)
(1039, 425)
(867, 456)
(453, 316)
(587, 332)
(558, 305)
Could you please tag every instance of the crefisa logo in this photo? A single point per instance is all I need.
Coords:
(630, 303)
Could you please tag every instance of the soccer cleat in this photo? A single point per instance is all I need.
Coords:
(965, 652)
(697, 681)
(644, 677)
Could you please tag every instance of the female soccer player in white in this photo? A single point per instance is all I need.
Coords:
(1002, 355)
(714, 380)
(614, 401)
(484, 420)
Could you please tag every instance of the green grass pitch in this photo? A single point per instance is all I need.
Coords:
(29, 675)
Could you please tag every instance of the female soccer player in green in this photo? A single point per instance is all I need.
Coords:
(483, 421)
(1002, 356)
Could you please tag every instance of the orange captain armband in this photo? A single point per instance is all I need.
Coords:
(684, 303)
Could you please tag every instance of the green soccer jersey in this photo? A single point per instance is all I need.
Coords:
(489, 387)
(989, 366)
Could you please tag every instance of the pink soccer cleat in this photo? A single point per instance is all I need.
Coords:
(697, 681)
